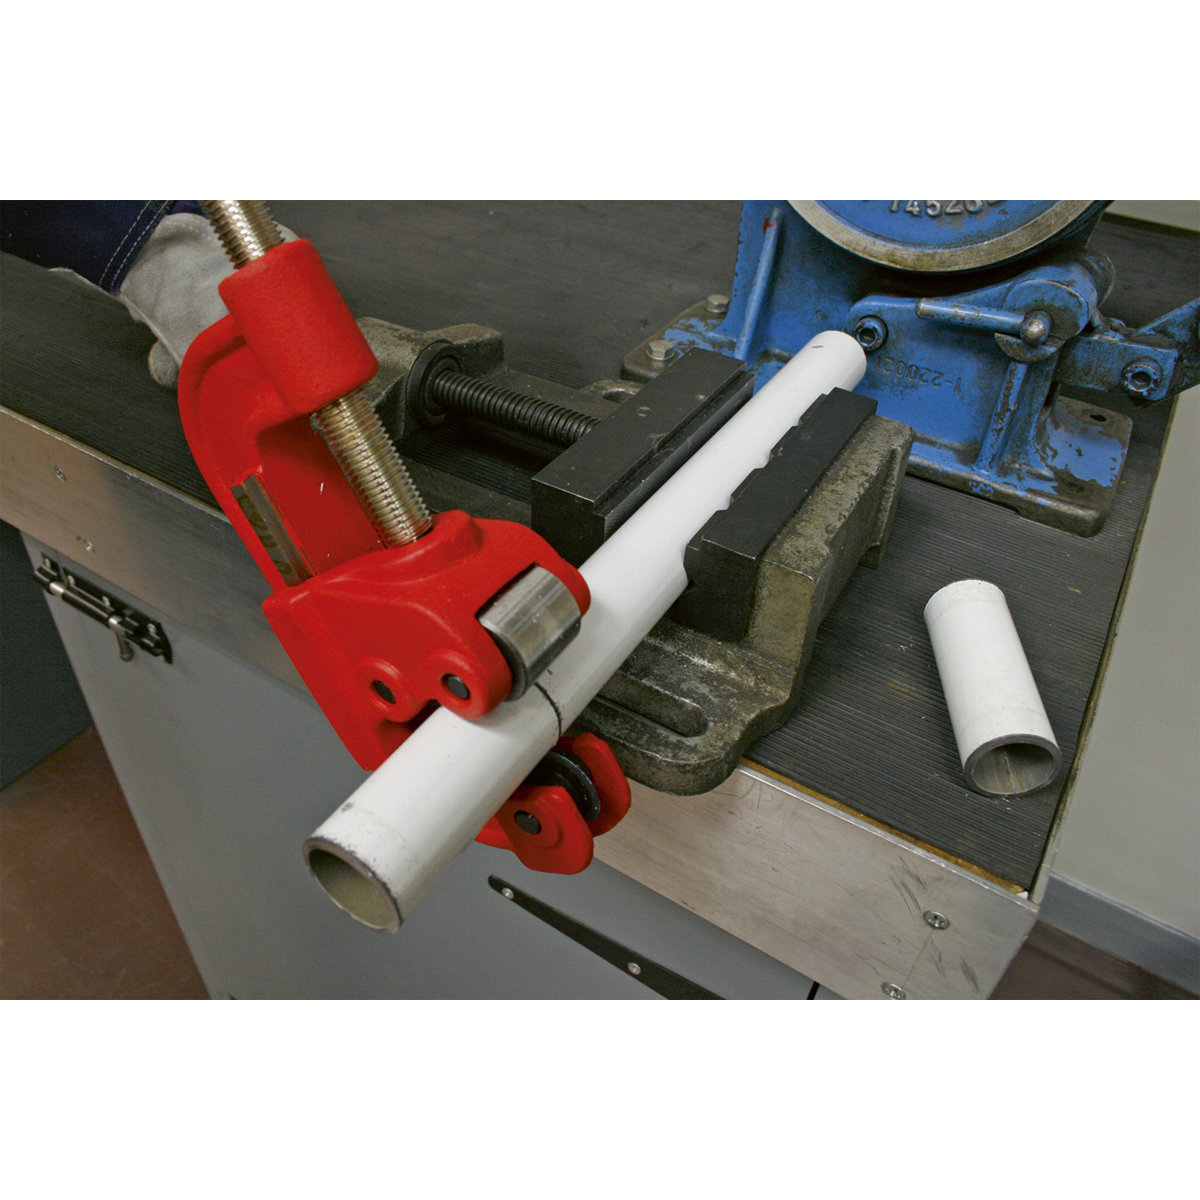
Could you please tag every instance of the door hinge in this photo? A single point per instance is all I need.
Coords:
(131, 627)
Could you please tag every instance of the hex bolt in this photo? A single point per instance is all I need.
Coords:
(870, 333)
(935, 920)
(717, 304)
(659, 349)
(1141, 377)
(893, 991)
(350, 426)
(633, 968)
(486, 401)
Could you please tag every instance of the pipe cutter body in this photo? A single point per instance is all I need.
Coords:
(379, 634)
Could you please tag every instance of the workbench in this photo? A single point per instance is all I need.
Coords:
(846, 852)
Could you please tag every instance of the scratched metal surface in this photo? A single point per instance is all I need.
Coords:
(573, 286)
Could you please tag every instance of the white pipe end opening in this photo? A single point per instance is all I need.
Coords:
(1005, 742)
(1013, 766)
(351, 885)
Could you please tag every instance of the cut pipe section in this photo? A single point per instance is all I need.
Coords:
(1004, 737)
(387, 844)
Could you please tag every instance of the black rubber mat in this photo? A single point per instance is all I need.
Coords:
(574, 286)
(871, 729)
(74, 359)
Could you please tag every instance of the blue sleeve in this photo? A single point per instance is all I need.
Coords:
(98, 239)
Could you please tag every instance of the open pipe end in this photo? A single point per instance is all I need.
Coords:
(351, 886)
(1012, 768)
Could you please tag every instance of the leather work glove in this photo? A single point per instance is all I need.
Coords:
(172, 288)
(160, 258)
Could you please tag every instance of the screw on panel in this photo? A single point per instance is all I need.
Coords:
(893, 991)
(61, 477)
(507, 893)
(634, 968)
(870, 333)
(1141, 377)
(935, 920)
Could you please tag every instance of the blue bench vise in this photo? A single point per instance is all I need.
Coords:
(973, 314)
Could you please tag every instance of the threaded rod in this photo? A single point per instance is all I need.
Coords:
(350, 426)
(357, 439)
(245, 227)
(511, 410)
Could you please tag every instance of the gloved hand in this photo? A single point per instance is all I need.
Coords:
(172, 288)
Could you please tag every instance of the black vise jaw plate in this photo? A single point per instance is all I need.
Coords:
(722, 560)
(585, 494)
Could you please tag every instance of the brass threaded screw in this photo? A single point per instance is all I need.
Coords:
(245, 227)
(350, 426)
(357, 439)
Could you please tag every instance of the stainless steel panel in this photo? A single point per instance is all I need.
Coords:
(164, 547)
(831, 895)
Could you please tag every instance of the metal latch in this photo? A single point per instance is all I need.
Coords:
(131, 627)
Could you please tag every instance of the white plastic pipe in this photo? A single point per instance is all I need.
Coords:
(379, 853)
(1004, 737)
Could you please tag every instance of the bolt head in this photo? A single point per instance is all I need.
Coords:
(935, 920)
(1035, 329)
(634, 968)
(870, 333)
(1141, 377)
(658, 349)
(527, 823)
(456, 687)
(893, 991)
(717, 304)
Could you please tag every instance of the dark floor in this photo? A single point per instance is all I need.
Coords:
(83, 916)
